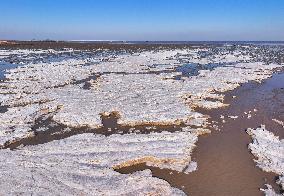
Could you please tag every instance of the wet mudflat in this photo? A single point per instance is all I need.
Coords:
(225, 165)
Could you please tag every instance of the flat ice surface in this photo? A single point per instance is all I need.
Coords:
(269, 151)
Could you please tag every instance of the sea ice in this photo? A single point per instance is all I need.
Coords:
(141, 88)
(269, 150)
(82, 164)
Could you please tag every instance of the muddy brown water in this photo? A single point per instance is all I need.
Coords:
(225, 165)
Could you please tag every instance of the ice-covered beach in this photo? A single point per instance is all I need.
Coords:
(70, 118)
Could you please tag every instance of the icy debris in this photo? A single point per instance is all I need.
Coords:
(216, 127)
(82, 164)
(279, 122)
(269, 150)
(248, 114)
(209, 104)
(233, 117)
(191, 167)
(196, 131)
(269, 191)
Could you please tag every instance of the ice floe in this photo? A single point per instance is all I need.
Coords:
(279, 122)
(269, 151)
(82, 164)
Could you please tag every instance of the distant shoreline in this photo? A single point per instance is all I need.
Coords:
(124, 45)
(135, 41)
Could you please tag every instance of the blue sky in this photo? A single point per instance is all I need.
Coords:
(175, 20)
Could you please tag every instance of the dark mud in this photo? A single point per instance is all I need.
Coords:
(225, 165)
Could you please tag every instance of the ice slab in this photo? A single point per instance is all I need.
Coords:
(82, 164)
(269, 151)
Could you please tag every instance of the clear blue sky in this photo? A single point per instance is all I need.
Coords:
(142, 19)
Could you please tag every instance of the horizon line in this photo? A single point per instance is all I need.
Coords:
(110, 40)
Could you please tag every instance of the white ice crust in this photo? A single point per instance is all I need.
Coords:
(126, 84)
(82, 164)
(269, 150)
(142, 88)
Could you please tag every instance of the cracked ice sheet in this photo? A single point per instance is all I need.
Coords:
(131, 95)
(16, 123)
(82, 164)
(139, 98)
(269, 150)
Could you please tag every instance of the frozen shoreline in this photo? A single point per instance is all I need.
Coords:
(127, 85)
